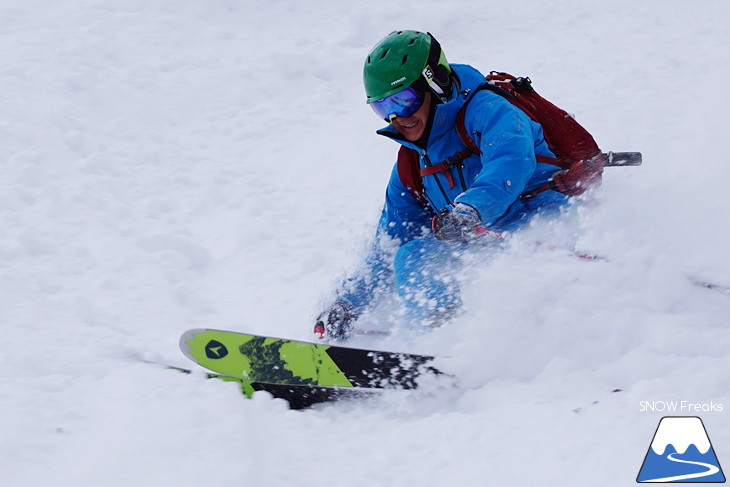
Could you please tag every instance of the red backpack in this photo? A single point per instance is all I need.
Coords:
(578, 156)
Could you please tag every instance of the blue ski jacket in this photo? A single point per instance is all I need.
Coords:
(491, 182)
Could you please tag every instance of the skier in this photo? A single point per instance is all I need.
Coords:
(422, 238)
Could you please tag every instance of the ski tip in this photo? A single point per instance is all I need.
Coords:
(187, 337)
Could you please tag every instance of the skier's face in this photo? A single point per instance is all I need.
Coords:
(412, 127)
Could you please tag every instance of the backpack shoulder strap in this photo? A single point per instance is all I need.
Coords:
(464, 135)
(409, 173)
(466, 139)
(499, 83)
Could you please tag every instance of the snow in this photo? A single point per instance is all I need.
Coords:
(170, 165)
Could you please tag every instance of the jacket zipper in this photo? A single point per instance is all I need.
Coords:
(460, 168)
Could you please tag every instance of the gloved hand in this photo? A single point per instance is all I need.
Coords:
(456, 224)
(335, 322)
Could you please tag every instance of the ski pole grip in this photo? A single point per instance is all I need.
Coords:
(617, 159)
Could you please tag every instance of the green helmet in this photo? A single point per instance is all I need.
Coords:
(402, 58)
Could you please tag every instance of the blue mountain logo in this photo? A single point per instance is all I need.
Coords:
(681, 452)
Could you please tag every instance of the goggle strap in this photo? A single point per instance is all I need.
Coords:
(428, 76)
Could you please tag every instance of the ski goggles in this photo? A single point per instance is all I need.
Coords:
(403, 104)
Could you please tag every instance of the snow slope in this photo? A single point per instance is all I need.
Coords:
(169, 165)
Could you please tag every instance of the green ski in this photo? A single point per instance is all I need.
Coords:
(271, 360)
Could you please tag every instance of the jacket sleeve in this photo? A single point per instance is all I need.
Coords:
(508, 140)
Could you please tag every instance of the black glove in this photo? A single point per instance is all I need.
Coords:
(335, 321)
(458, 223)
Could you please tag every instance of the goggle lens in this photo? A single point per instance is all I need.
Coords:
(403, 104)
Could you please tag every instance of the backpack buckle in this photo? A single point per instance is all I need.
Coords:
(454, 160)
(523, 83)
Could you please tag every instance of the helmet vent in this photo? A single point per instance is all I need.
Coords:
(385, 53)
(413, 41)
(405, 59)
